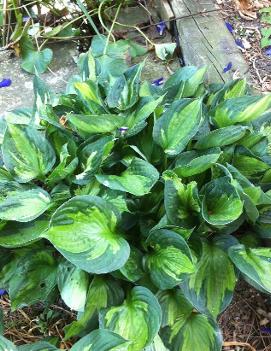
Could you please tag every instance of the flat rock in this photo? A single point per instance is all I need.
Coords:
(20, 93)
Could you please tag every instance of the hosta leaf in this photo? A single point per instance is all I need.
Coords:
(95, 124)
(124, 92)
(184, 82)
(221, 203)
(249, 166)
(103, 292)
(73, 285)
(241, 110)
(190, 163)
(89, 95)
(26, 153)
(6, 345)
(92, 155)
(210, 288)
(173, 304)
(31, 277)
(184, 116)
(156, 345)
(181, 201)
(136, 120)
(165, 50)
(169, 259)
(137, 179)
(138, 319)
(192, 331)
(66, 167)
(255, 264)
(23, 204)
(221, 137)
(38, 346)
(101, 340)
(19, 234)
(84, 230)
(132, 270)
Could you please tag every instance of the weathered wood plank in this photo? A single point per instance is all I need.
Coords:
(165, 11)
(205, 40)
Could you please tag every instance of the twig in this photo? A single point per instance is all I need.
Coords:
(111, 29)
(236, 343)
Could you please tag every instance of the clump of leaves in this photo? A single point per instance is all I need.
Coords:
(141, 205)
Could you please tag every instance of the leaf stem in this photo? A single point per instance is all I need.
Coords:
(111, 29)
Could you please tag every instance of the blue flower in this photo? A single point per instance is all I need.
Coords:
(26, 18)
(161, 27)
(227, 68)
(123, 130)
(5, 83)
(230, 27)
(239, 43)
(2, 292)
(158, 82)
(268, 51)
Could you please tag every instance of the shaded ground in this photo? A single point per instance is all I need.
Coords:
(248, 31)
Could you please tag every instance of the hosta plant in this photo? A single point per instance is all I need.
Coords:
(140, 205)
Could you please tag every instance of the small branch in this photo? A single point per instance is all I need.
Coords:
(236, 343)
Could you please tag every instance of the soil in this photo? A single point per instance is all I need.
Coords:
(249, 33)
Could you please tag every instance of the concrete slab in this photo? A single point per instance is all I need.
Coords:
(20, 93)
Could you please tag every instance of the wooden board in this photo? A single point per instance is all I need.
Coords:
(205, 40)
(165, 12)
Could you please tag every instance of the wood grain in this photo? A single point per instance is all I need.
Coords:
(205, 40)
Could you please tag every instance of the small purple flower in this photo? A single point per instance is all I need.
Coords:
(158, 82)
(5, 83)
(26, 18)
(161, 27)
(239, 43)
(230, 27)
(227, 68)
(266, 330)
(123, 130)
(2, 292)
(268, 51)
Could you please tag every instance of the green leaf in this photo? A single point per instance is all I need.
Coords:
(184, 116)
(266, 34)
(6, 345)
(138, 319)
(132, 270)
(181, 201)
(26, 153)
(241, 110)
(103, 292)
(172, 303)
(23, 204)
(192, 331)
(20, 234)
(95, 124)
(88, 93)
(165, 50)
(66, 167)
(73, 285)
(255, 264)
(221, 203)
(169, 259)
(184, 82)
(84, 230)
(221, 137)
(156, 345)
(124, 93)
(137, 179)
(31, 277)
(38, 346)
(34, 61)
(190, 163)
(210, 288)
(92, 155)
(101, 340)
(135, 121)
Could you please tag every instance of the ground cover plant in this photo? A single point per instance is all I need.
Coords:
(140, 204)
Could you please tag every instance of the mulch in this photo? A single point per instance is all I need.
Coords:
(247, 33)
